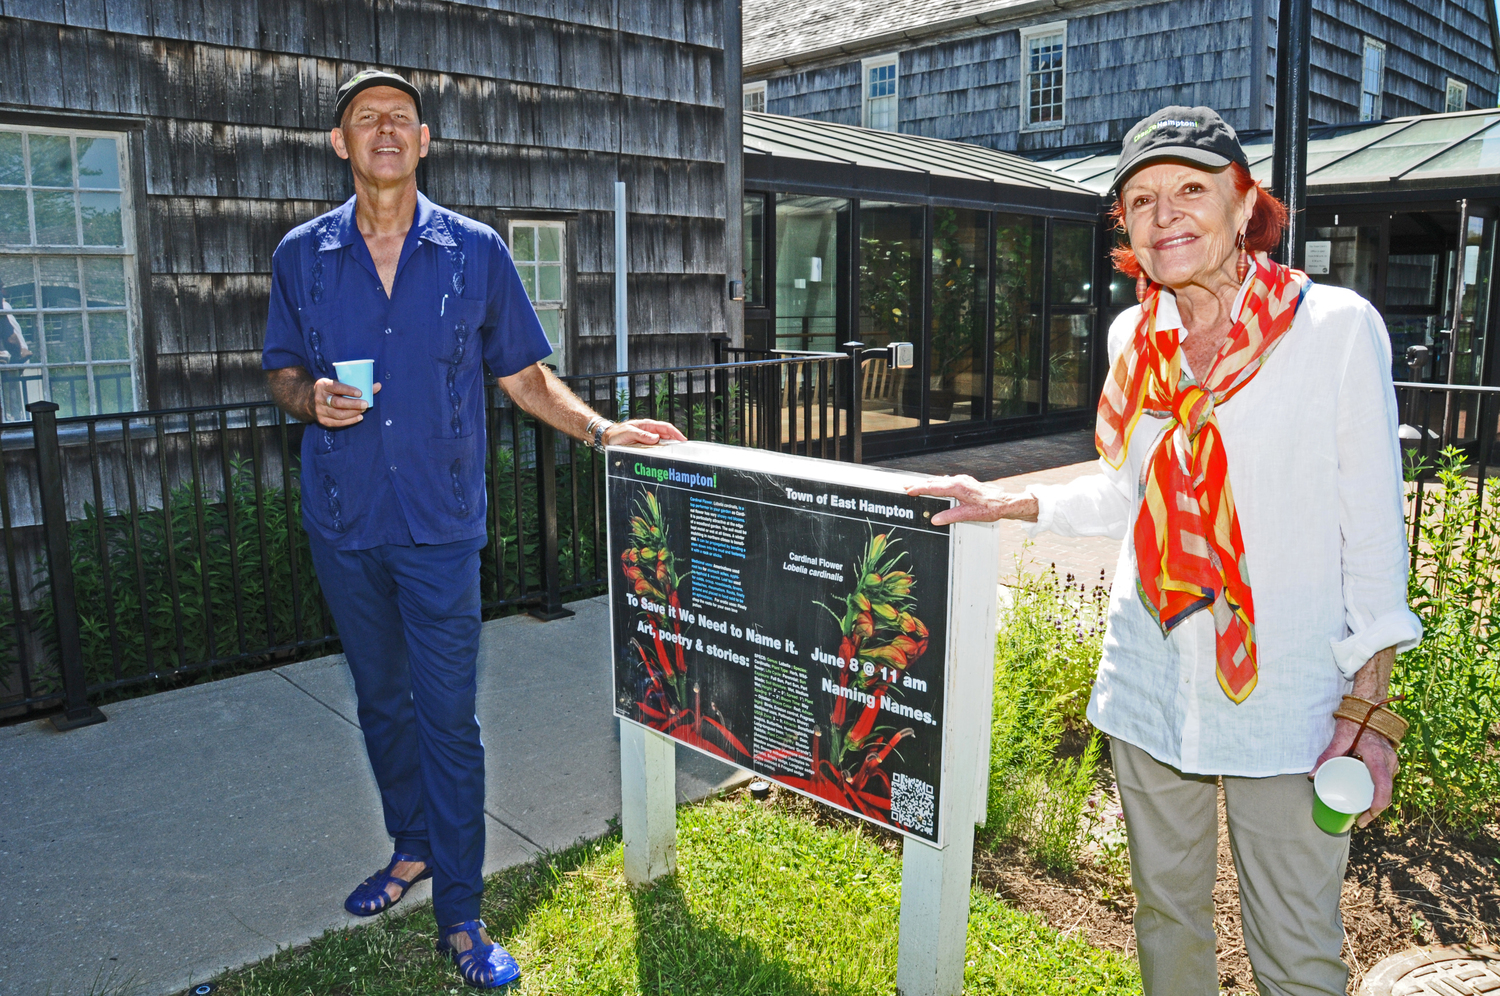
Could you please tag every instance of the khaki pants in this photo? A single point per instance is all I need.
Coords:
(1290, 874)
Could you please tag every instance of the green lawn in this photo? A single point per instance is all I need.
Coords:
(765, 902)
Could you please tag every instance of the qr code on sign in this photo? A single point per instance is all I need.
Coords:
(911, 803)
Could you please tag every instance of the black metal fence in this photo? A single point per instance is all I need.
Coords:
(1436, 416)
(145, 548)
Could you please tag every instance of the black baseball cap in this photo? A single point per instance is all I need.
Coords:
(373, 77)
(1193, 134)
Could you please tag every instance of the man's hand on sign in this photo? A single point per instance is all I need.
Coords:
(641, 431)
(977, 500)
(337, 405)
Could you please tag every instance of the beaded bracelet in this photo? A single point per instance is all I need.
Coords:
(1382, 721)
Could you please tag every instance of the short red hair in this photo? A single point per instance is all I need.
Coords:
(1262, 234)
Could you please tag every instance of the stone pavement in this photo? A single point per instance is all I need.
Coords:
(206, 827)
(1055, 459)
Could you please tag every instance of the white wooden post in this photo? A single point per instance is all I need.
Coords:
(935, 881)
(648, 803)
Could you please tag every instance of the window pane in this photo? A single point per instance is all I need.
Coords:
(807, 271)
(755, 259)
(551, 320)
(104, 282)
(1411, 281)
(1020, 242)
(15, 226)
(12, 166)
(17, 281)
(64, 337)
(112, 381)
(890, 291)
(549, 244)
(19, 388)
(960, 284)
(60, 282)
(98, 163)
(1072, 263)
(528, 280)
(1068, 362)
(549, 282)
(18, 333)
(56, 224)
(101, 219)
(109, 335)
(51, 161)
(525, 242)
(70, 389)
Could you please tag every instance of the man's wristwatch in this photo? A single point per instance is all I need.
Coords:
(595, 430)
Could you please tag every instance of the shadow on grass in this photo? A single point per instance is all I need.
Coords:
(676, 953)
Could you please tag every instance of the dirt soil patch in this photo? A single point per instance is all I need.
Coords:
(1405, 886)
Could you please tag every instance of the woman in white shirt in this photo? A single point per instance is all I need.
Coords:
(1262, 576)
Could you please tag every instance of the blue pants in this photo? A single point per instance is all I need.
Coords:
(409, 620)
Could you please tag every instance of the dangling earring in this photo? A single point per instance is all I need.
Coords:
(1242, 266)
(1142, 287)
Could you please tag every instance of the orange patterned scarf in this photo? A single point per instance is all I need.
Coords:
(1188, 548)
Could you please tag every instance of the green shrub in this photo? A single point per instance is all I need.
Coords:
(1450, 759)
(142, 576)
(1047, 652)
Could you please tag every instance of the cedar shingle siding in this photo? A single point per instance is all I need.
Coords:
(960, 63)
(535, 110)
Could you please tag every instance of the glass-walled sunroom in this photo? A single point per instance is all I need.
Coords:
(1000, 305)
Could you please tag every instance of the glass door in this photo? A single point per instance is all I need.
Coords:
(890, 303)
(807, 270)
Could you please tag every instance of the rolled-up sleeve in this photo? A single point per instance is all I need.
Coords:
(1093, 505)
(1371, 515)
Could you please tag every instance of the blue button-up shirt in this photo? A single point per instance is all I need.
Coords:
(413, 470)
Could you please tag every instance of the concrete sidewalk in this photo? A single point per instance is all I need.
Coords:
(204, 828)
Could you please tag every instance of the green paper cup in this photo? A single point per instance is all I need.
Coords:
(1342, 789)
(360, 374)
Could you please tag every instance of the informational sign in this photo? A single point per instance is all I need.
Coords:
(789, 616)
(1317, 256)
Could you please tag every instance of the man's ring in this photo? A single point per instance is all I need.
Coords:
(329, 402)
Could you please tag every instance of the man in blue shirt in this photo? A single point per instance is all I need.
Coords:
(393, 495)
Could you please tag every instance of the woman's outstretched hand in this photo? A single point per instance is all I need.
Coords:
(978, 501)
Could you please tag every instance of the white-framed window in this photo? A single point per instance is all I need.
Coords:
(1044, 56)
(881, 88)
(755, 96)
(68, 302)
(1457, 98)
(1372, 81)
(539, 249)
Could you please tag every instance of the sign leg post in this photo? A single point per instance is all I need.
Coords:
(935, 881)
(935, 908)
(648, 803)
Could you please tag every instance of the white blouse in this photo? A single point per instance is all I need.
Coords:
(1315, 468)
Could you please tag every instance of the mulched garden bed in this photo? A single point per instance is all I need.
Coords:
(1405, 886)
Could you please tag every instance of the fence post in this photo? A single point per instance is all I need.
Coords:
(49, 474)
(715, 390)
(856, 401)
(551, 607)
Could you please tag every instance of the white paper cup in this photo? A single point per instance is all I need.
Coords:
(1342, 790)
(360, 374)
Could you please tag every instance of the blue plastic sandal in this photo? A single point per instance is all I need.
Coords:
(370, 897)
(483, 966)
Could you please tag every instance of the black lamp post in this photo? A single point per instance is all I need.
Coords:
(1289, 172)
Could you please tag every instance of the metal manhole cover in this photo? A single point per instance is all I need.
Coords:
(1438, 971)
